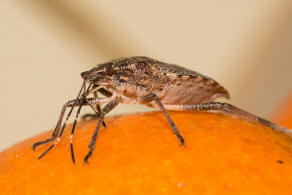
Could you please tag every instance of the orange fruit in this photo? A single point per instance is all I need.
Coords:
(284, 114)
(139, 154)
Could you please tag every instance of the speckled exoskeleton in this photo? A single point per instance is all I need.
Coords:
(150, 82)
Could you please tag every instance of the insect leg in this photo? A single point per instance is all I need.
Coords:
(101, 89)
(73, 129)
(57, 128)
(97, 111)
(72, 104)
(229, 109)
(83, 100)
(151, 97)
(105, 92)
(107, 108)
(96, 108)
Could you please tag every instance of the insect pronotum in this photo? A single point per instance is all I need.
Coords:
(150, 82)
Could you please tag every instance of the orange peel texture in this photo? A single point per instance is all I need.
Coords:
(139, 154)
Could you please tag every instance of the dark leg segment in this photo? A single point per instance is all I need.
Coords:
(107, 108)
(72, 104)
(73, 130)
(151, 97)
(83, 100)
(230, 109)
(97, 105)
(97, 108)
(57, 128)
(53, 138)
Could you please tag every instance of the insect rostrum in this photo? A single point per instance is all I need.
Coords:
(150, 82)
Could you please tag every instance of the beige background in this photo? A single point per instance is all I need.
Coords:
(45, 45)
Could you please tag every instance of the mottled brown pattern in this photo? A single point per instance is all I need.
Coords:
(146, 81)
(138, 76)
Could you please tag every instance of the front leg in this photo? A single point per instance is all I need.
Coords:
(96, 107)
(150, 97)
(107, 108)
(72, 104)
(57, 133)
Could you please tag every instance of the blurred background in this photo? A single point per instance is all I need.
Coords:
(245, 45)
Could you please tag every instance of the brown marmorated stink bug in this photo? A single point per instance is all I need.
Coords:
(150, 82)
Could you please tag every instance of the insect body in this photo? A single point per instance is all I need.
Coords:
(146, 81)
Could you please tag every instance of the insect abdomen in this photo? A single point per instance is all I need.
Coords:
(190, 90)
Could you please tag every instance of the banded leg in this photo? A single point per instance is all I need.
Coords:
(105, 93)
(229, 109)
(97, 111)
(57, 128)
(83, 100)
(73, 130)
(96, 108)
(71, 103)
(107, 108)
(150, 97)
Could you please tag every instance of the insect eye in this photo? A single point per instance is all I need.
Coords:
(109, 71)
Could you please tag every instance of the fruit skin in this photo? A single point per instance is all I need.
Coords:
(138, 154)
(283, 115)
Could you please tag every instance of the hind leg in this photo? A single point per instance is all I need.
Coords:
(228, 109)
